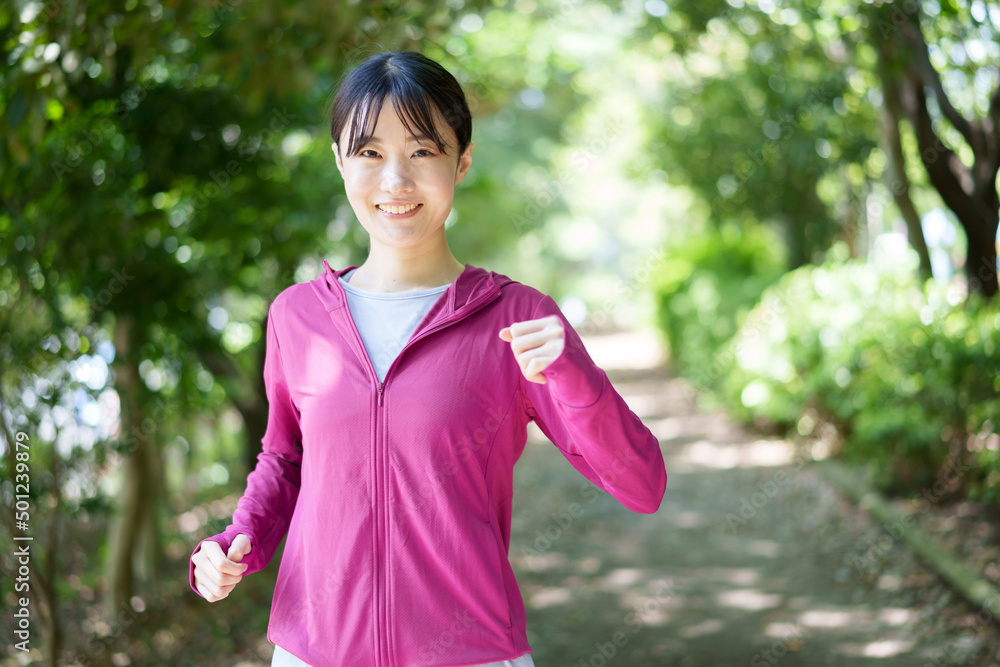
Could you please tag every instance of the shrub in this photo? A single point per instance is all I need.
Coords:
(706, 283)
(908, 375)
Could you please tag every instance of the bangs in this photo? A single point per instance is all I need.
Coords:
(412, 106)
(422, 93)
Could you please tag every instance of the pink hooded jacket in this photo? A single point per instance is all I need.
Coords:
(396, 496)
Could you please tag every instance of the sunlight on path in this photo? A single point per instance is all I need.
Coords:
(633, 350)
(625, 350)
(747, 561)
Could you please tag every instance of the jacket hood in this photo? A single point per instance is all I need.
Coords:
(468, 289)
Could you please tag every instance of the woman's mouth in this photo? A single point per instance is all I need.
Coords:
(398, 211)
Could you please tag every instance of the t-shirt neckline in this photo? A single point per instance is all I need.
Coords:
(371, 294)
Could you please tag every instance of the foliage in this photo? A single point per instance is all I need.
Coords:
(909, 378)
(168, 165)
(164, 175)
(755, 108)
(771, 112)
(705, 284)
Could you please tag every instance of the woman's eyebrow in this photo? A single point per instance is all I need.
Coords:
(376, 140)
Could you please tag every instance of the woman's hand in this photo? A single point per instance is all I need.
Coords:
(215, 573)
(536, 344)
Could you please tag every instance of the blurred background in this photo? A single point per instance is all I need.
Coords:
(797, 200)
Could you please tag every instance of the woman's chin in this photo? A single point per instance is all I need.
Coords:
(403, 238)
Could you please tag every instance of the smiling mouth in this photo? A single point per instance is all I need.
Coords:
(397, 210)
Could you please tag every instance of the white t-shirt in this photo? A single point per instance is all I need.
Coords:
(386, 320)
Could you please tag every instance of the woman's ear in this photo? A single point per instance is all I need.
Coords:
(464, 164)
(336, 156)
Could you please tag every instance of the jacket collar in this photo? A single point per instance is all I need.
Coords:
(471, 289)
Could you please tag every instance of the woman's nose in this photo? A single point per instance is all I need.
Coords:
(397, 176)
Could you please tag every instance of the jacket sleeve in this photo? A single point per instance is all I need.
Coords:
(589, 422)
(264, 512)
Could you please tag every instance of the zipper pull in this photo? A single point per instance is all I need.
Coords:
(380, 385)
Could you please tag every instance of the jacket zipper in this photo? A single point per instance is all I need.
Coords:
(476, 305)
(380, 526)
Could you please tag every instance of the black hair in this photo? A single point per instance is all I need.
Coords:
(415, 84)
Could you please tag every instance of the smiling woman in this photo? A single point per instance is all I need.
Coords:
(399, 394)
(400, 171)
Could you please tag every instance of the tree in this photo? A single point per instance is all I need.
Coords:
(147, 164)
(962, 167)
(757, 110)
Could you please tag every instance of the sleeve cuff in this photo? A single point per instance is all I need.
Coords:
(576, 381)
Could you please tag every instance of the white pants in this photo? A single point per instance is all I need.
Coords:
(283, 658)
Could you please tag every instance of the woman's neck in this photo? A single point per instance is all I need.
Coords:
(397, 270)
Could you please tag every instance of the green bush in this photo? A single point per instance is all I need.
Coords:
(706, 283)
(910, 379)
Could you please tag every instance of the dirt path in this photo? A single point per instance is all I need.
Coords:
(752, 559)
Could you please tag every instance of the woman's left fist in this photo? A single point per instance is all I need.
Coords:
(536, 344)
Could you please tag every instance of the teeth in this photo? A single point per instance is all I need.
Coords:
(397, 209)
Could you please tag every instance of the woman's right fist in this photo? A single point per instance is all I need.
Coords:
(215, 574)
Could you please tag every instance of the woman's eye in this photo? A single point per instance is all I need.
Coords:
(374, 154)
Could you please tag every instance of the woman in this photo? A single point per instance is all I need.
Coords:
(399, 395)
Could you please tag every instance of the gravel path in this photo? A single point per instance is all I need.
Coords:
(753, 558)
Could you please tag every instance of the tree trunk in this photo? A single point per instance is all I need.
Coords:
(971, 193)
(975, 205)
(149, 552)
(890, 112)
(981, 262)
(850, 224)
(800, 232)
(133, 500)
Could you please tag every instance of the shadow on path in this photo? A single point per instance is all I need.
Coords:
(750, 559)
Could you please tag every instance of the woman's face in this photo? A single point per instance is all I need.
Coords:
(397, 169)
